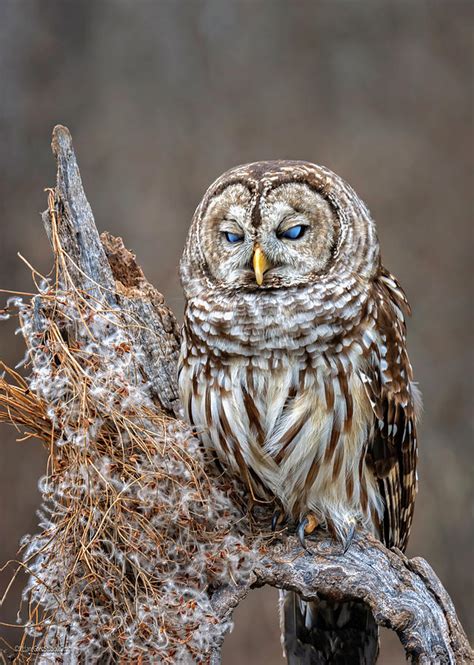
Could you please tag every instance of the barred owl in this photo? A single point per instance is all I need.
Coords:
(293, 368)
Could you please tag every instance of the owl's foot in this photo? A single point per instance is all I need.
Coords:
(307, 525)
(278, 519)
(350, 535)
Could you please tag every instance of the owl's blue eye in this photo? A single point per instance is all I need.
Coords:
(233, 237)
(294, 232)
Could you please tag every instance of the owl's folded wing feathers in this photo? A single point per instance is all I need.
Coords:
(392, 451)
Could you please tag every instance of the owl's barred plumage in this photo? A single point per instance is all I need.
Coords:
(301, 383)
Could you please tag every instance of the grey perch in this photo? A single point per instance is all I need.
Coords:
(403, 594)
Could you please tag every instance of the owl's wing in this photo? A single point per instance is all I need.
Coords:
(392, 450)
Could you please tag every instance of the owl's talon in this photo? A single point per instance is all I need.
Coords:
(300, 532)
(277, 519)
(307, 525)
(350, 536)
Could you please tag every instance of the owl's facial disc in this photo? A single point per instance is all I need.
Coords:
(290, 241)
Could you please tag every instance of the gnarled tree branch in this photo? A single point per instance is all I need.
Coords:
(404, 595)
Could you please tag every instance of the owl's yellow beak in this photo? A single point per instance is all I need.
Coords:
(260, 264)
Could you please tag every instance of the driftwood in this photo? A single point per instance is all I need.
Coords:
(404, 595)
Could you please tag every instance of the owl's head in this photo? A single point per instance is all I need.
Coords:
(271, 225)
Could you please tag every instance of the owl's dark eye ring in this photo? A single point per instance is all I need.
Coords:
(233, 237)
(293, 233)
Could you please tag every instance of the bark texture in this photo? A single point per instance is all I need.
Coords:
(403, 594)
(100, 266)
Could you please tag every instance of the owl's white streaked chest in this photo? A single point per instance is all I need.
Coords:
(290, 429)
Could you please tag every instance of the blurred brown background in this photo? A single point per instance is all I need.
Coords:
(161, 97)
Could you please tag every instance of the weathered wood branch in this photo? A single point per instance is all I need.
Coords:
(101, 267)
(404, 595)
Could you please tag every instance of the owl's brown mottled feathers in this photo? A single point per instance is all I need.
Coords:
(294, 367)
(396, 401)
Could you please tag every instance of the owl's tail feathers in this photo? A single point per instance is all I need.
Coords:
(325, 633)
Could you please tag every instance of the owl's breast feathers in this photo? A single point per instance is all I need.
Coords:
(321, 415)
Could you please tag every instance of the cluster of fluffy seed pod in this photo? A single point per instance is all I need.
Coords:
(134, 531)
